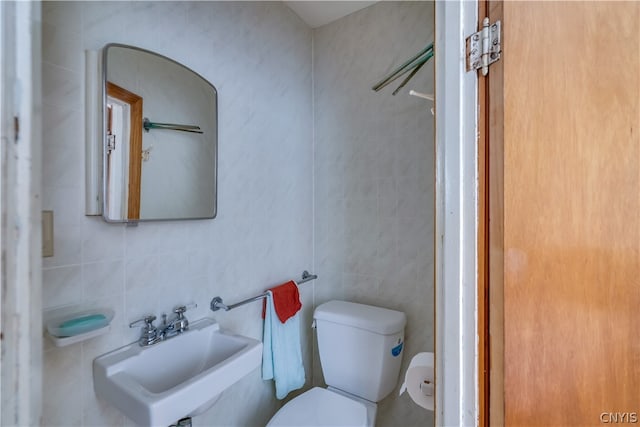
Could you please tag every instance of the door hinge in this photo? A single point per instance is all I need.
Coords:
(111, 143)
(483, 47)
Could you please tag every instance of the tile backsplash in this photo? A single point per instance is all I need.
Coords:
(315, 172)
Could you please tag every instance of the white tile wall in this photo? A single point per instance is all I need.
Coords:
(374, 176)
(370, 167)
(257, 55)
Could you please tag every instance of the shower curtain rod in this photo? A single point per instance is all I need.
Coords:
(413, 73)
(412, 65)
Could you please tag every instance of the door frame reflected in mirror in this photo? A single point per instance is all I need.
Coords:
(134, 174)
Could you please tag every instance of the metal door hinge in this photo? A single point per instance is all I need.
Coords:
(483, 47)
(111, 143)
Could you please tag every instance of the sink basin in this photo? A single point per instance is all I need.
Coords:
(182, 376)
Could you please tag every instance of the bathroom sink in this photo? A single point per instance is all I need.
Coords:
(182, 376)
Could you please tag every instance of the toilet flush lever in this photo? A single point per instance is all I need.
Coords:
(313, 324)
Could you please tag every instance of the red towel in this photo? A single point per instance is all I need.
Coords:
(286, 300)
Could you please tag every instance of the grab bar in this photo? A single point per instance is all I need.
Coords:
(148, 125)
(217, 304)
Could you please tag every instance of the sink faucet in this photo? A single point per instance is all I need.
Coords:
(174, 325)
(149, 335)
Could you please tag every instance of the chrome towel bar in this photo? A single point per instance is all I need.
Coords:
(148, 124)
(217, 304)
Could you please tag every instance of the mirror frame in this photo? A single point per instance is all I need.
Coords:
(104, 139)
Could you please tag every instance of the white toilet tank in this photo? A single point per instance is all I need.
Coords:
(360, 347)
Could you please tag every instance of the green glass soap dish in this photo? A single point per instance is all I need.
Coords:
(79, 326)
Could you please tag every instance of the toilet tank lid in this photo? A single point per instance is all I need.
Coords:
(375, 319)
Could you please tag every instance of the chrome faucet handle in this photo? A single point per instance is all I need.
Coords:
(180, 323)
(149, 333)
(179, 310)
(148, 322)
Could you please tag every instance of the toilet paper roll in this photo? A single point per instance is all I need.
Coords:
(418, 380)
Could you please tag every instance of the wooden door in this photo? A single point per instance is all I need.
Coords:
(564, 214)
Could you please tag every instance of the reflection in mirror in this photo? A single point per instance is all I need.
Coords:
(124, 124)
(160, 138)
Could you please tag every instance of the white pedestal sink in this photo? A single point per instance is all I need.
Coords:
(182, 376)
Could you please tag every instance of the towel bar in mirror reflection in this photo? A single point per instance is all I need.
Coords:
(148, 125)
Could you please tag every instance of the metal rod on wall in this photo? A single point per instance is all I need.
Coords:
(148, 125)
(217, 304)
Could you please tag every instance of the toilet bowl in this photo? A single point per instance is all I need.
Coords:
(360, 350)
(325, 407)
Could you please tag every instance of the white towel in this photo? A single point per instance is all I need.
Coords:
(281, 354)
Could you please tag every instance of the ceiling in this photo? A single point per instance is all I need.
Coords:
(319, 13)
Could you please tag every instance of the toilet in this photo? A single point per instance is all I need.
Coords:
(360, 350)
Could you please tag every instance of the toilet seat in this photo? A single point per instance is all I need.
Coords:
(320, 407)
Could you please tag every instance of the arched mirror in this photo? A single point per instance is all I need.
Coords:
(160, 138)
